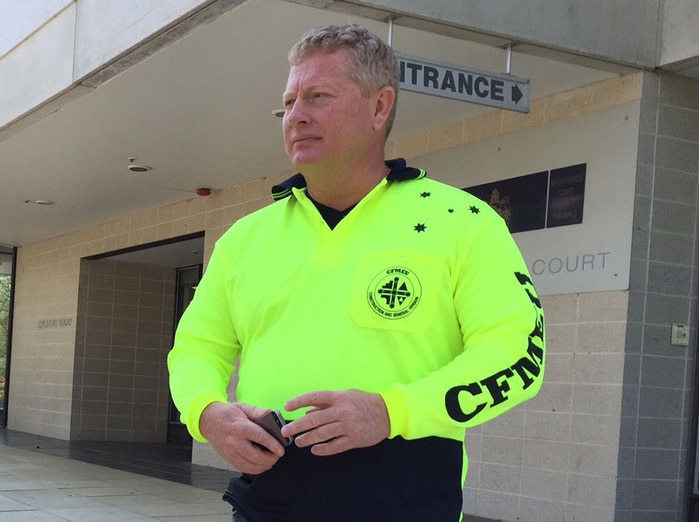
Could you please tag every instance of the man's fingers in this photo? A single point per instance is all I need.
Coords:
(318, 399)
(258, 435)
(256, 460)
(313, 420)
(331, 447)
(318, 415)
(322, 434)
(252, 412)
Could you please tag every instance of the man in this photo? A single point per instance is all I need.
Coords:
(383, 313)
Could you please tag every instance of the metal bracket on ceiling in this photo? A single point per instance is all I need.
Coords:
(508, 68)
(390, 31)
(508, 47)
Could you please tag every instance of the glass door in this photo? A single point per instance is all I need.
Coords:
(187, 279)
(7, 257)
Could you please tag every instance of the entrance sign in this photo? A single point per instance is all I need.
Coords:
(502, 91)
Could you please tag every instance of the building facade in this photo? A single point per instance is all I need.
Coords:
(600, 178)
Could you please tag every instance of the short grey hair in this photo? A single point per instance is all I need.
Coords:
(372, 63)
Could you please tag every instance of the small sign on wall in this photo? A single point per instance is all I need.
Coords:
(54, 322)
(566, 196)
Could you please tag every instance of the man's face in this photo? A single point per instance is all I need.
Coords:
(327, 119)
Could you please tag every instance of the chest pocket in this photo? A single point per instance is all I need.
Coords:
(397, 290)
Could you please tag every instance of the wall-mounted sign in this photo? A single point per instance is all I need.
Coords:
(503, 91)
(547, 199)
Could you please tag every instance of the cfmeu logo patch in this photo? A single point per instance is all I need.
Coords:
(394, 292)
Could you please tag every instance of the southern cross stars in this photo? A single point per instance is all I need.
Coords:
(422, 227)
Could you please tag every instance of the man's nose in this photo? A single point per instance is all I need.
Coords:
(296, 113)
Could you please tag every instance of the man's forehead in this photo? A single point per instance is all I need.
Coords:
(340, 53)
(316, 69)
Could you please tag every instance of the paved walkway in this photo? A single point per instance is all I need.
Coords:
(44, 488)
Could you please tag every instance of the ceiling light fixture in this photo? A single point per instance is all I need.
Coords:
(136, 167)
(279, 113)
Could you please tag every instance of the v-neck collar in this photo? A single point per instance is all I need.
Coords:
(399, 172)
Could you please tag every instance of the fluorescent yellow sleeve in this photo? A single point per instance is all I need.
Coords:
(201, 361)
(501, 363)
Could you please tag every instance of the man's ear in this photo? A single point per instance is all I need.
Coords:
(385, 99)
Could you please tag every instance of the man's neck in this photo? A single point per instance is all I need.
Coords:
(341, 189)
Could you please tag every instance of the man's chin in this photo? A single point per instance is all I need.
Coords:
(306, 162)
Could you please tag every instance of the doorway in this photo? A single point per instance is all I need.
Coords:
(7, 270)
(127, 311)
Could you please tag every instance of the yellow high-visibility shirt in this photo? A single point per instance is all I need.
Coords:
(419, 294)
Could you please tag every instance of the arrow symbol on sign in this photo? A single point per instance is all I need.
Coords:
(516, 94)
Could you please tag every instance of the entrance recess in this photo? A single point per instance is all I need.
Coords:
(130, 303)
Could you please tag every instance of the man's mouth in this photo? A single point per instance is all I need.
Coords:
(303, 139)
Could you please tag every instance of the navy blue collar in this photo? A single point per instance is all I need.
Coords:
(399, 172)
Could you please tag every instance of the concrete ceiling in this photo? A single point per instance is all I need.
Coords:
(198, 111)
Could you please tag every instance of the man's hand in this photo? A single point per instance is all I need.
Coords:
(338, 421)
(231, 430)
